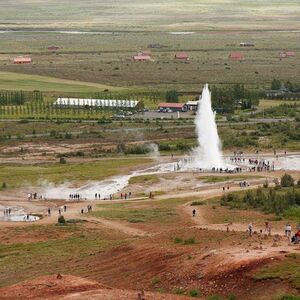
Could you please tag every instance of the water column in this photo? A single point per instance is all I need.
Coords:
(208, 154)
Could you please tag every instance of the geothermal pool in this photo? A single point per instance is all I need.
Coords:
(205, 157)
(118, 183)
(17, 215)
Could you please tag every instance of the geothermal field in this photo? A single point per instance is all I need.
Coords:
(149, 150)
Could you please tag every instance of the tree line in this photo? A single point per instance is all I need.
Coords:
(19, 97)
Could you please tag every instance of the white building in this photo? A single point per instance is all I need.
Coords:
(192, 105)
(101, 103)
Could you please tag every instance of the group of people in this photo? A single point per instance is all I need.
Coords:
(34, 196)
(75, 196)
(287, 232)
(60, 210)
(89, 209)
(237, 159)
(125, 195)
(7, 211)
(260, 165)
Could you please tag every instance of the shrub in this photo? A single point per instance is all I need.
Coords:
(61, 220)
(177, 240)
(190, 241)
(4, 185)
(194, 293)
(62, 160)
(287, 180)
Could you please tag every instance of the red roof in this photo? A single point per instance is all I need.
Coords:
(290, 53)
(181, 55)
(171, 105)
(236, 56)
(141, 57)
(22, 60)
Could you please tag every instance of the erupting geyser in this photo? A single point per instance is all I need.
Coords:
(208, 154)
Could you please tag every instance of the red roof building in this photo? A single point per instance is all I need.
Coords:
(290, 53)
(181, 55)
(286, 54)
(22, 60)
(236, 56)
(141, 57)
(172, 106)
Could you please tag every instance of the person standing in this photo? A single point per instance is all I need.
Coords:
(288, 230)
(194, 212)
(250, 229)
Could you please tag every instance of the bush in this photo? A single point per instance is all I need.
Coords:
(61, 220)
(4, 185)
(178, 240)
(62, 160)
(287, 180)
(190, 241)
(194, 293)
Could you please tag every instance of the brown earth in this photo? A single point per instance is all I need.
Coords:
(217, 262)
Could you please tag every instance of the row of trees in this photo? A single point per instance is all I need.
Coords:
(228, 98)
(277, 84)
(19, 97)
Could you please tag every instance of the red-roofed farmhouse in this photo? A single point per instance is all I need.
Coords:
(182, 56)
(171, 107)
(22, 60)
(236, 56)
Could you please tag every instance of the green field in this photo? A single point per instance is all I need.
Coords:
(68, 243)
(24, 82)
(107, 60)
(151, 15)
(18, 175)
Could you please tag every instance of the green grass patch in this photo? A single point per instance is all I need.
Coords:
(287, 269)
(16, 81)
(20, 261)
(16, 175)
(189, 241)
(144, 179)
(162, 211)
(216, 179)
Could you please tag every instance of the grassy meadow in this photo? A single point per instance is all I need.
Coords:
(152, 15)
(107, 60)
(16, 175)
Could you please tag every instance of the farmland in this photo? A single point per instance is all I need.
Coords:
(106, 59)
